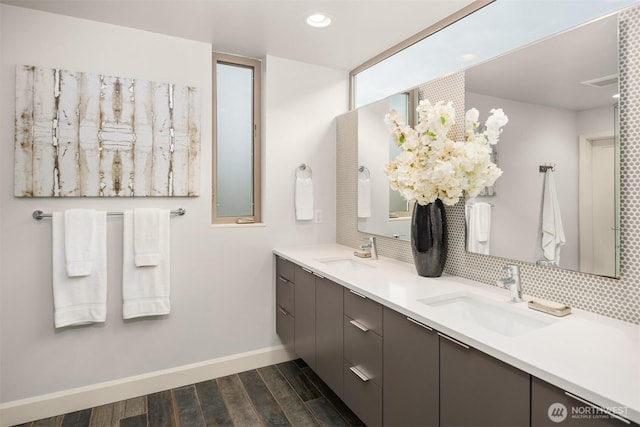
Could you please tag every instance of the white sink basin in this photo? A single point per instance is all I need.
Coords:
(497, 316)
(346, 264)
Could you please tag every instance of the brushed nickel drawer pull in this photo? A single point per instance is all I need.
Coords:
(454, 341)
(356, 293)
(283, 279)
(359, 325)
(317, 275)
(307, 270)
(359, 374)
(586, 402)
(283, 311)
(419, 323)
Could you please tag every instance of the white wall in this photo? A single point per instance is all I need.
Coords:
(222, 278)
(595, 121)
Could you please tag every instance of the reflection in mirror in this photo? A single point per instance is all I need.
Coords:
(560, 95)
(381, 210)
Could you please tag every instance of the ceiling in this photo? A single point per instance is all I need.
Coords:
(360, 29)
(552, 72)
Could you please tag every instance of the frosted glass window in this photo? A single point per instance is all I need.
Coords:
(236, 157)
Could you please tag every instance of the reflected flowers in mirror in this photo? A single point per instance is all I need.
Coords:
(433, 166)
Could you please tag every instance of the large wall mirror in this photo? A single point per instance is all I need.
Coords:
(561, 98)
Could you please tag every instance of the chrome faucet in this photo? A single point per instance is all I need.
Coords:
(512, 282)
(370, 246)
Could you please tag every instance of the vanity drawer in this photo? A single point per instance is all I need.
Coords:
(363, 350)
(363, 310)
(285, 293)
(285, 326)
(285, 268)
(364, 398)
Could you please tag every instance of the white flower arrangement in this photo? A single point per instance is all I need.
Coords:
(432, 166)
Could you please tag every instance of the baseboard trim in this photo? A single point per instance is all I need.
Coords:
(49, 405)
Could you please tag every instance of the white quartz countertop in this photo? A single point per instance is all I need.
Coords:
(594, 357)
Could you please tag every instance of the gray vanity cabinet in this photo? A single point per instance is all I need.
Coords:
(285, 290)
(410, 372)
(305, 316)
(362, 371)
(329, 333)
(479, 390)
(552, 406)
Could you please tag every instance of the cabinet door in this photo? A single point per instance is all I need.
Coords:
(362, 396)
(285, 326)
(285, 268)
(329, 334)
(479, 390)
(410, 372)
(285, 290)
(305, 316)
(363, 310)
(551, 406)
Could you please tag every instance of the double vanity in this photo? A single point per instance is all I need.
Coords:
(400, 349)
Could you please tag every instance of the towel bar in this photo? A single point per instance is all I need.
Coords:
(38, 214)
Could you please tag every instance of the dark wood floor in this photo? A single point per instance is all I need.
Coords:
(286, 394)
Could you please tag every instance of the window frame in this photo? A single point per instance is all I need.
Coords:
(256, 66)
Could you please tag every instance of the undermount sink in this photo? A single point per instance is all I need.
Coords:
(497, 316)
(346, 264)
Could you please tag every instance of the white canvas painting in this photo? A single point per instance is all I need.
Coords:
(91, 135)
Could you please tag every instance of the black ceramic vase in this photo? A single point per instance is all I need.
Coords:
(429, 238)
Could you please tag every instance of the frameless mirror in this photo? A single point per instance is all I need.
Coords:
(561, 98)
(558, 94)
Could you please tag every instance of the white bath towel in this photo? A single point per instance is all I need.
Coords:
(364, 197)
(79, 249)
(552, 230)
(146, 236)
(304, 198)
(478, 227)
(145, 290)
(79, 300)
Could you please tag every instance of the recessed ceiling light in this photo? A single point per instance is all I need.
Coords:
(468, 57)
(318, 20)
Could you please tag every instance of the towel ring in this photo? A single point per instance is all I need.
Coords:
(364, 171)
(302, 169)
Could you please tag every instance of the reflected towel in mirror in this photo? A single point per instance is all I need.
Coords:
(478, 227)
(364, 197)
(552, 230)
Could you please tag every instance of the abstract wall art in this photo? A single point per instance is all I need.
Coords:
(92, 135)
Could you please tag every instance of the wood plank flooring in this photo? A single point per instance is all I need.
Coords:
(286, 394)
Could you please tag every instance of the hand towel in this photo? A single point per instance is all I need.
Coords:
(552, 230)
(478, 217)
(145, 290)
(304, 198)
(364, 198)
(146, 236)
(79, 241)
(78, 300)
(482, 214)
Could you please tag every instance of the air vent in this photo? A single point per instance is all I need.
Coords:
(602, 81)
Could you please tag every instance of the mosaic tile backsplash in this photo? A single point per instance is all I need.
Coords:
(616, 298)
